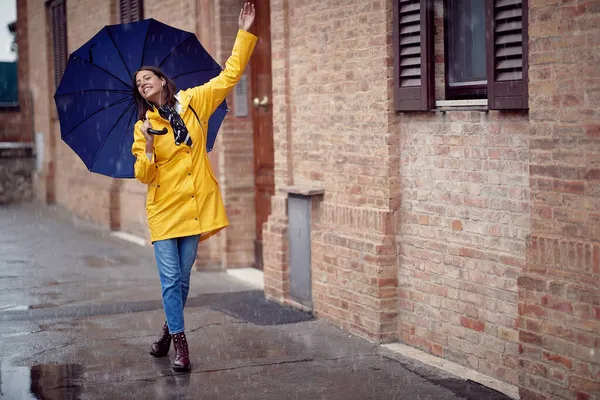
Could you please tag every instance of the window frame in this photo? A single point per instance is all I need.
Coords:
(507, 40)
(462, 92)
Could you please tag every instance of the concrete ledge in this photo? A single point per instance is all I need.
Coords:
(454, 369)
(251, 276)
(461, 103)
(130, 238)
(303, 190)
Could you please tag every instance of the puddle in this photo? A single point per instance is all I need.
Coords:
(16, 261)
(43, 305)
(48, 381)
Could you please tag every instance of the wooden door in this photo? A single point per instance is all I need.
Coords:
(262, 120)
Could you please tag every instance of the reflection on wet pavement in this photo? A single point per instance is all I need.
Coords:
(48, 382)
(91, 260)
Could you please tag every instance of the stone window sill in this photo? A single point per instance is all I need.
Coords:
(461, 105)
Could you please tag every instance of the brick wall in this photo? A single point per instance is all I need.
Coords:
(494, 214)
(559, 297)
(331, 130)
(462, 229)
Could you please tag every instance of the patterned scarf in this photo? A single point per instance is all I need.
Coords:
(180, 131)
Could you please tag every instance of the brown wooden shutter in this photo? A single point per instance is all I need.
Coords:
(131, 10)
(413, 55)
(507, 53)
(124, 8)
(59, 37)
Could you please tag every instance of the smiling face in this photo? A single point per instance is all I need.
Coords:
(149, 86)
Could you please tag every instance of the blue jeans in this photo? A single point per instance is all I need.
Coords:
(174, 258)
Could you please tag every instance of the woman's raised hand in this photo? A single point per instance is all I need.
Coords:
(247, 15)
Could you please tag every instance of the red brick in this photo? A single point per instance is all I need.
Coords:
(530, 283)
(527, 394)
(470, 323)
(556, 303)
(529, 337)
(532, 310)
(583, 396)
(568, 187)
(457, 225)
(534, 368)
(437, 350)
(584, 385)
(559, 359)
(471, 253)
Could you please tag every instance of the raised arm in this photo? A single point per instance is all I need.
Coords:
(212, 93)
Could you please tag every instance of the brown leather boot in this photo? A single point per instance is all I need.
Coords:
(160, 348)
(182, 354)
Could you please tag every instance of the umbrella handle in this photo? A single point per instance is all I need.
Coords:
(155, 132)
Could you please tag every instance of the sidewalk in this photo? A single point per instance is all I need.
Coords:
(79, 309)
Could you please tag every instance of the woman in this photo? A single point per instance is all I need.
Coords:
(184, 204)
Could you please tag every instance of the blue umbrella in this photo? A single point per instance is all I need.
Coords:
(95, 101)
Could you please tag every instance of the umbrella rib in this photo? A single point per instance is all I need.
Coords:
(111, 129)
(118, 52)
(175, 48)
(94, 113)
(198, 70)
(95, 90)
(102, 69)
(125, 136)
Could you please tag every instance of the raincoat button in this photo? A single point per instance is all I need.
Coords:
(158, 185)
(192, 196)
(189, 174)
(196, 219)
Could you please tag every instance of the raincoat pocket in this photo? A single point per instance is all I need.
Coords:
(151, 195)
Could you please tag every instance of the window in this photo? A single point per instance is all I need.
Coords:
(485, 52)
(58, 19)
(131, 10)
(9, 92)
(464, 49)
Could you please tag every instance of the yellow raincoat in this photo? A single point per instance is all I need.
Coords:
(183, 194)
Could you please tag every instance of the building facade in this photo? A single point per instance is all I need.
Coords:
(402, 178)
(468, 229)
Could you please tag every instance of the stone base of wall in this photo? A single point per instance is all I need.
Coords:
(17, 164)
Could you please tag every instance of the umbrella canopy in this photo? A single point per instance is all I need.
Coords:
(94, 99)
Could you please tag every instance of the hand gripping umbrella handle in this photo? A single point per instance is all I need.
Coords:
(155, 132)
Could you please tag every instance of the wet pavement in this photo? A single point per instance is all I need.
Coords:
(79, 309)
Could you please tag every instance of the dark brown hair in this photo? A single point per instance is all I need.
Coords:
(141, 103)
